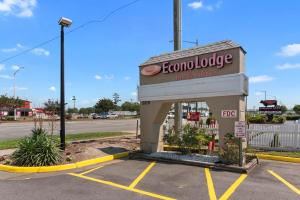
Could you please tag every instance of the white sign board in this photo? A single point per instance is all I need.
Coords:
(229, 113)
(240, 129)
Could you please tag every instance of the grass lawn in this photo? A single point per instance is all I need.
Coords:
(9, 144)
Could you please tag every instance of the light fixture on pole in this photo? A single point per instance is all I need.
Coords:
(63, 22)
(14, 75)
(74, 101)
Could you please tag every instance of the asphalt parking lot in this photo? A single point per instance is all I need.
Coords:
(140, 179)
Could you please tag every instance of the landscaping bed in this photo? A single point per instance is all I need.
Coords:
(89, 149)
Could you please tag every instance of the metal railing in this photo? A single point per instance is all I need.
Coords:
(285, 137)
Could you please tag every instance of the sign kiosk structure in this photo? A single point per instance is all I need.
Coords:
(214, 73)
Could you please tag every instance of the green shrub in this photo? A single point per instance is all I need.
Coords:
(229, 154)
(257, 119)
(293, 117)
(171, 138)
(278, 120)
(36, 150)
(192, 138)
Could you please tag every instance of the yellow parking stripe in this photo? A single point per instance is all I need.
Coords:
(141, 176)
(233, 187)
(297, 191)
(89, 171)
(123, 187)
(210, 185)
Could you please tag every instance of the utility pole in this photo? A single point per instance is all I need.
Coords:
(74, 101)
(177, 46)
(14, 75)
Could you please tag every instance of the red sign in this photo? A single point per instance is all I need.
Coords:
(193, 116)
(214, 60)
(229, 113)
(151, 70)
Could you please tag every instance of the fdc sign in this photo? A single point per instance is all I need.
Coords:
(229, 113)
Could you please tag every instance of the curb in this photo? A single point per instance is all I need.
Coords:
(278, 158)
(214, 166)
(57, 168)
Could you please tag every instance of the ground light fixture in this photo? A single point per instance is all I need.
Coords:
(63, 22)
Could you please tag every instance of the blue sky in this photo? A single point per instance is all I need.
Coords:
(103, 58)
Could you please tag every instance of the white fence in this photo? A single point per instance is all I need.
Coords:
(285, 137)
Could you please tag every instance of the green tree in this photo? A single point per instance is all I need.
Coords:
(116, 98)
(52, 106)
(10, 102)
(104, 105)
(283, 109)
(130, 106)
(72, 110)
(87, 111)
(297, 109)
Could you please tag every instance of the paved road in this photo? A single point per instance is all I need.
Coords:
(139, 179)
(17, 130)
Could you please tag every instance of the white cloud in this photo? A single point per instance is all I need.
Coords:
(197, 5)
(9, 50)
(15, 67)
(97, 77)
(52, 88)
(19, 8)
(289, 50)
(109, 77)
(260, 79)
(134, 94)
(2, 67)
(19, 88)
(13, 49)
(127, 78)
(40, 52)
(288, 66)
(258, 93)
(4, 76)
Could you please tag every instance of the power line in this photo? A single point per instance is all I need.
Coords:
(71, 31)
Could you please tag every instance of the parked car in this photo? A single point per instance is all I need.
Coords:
(103, 115)
(112, 116)
(96, 116)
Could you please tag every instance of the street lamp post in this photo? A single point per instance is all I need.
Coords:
(14, 75)
(63, 22)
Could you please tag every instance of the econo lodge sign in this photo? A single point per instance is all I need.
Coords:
(196, 62)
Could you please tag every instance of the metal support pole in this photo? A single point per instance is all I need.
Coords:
(137, 129)
(62, 91)
(240, 152)
(177, 46)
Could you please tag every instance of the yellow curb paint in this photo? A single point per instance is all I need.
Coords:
(122, 187)
(293, 188)
(141, 176)
(91, 170)
(56, 168)
(210, 185)
(233, 187)
(278, 158)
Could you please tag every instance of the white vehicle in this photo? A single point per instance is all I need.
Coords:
(112, 116)
(170, 116)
